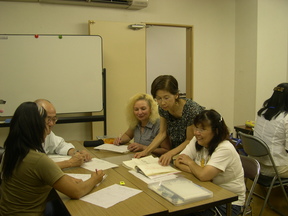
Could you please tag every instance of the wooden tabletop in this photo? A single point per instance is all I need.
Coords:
(140, 204)
(145, 203)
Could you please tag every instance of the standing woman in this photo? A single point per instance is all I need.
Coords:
(142, 115)
(27, 173)
(210, 156)
(176, 118)
(272, 127)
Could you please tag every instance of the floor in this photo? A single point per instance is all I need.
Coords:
(277, 199)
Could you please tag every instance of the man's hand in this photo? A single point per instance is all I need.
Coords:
(87, 156)
(76, 160)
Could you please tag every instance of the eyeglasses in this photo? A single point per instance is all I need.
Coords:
(159, 99)
(199, 130)
(51, 119)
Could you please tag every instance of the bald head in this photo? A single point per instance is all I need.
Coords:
(51, 112)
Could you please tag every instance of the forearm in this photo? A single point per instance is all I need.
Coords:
(64, 164)
(155, 143)
(76, 190)
(125, 139)
(72, 151)
(198, 171)
(182, 167)
(84, 188)
(160, 151)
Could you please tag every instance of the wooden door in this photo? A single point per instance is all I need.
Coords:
(124, 58)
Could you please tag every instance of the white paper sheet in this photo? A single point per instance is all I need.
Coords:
(114, 148)
(99, 164)
(58, 158)
(95, 163)
(110, 196)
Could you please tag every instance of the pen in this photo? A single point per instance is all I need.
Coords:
(119, 139)
(120, 135)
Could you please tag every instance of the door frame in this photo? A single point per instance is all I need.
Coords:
(189, 54)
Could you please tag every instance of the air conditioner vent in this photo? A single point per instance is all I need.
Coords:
(125, 4)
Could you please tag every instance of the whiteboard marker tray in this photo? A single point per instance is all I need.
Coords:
(180, 191)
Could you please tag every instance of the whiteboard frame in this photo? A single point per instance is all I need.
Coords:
(63, 98)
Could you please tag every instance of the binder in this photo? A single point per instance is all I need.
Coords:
(180, 191)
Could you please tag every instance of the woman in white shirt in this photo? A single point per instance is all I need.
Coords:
(272, 127)
(210, 156)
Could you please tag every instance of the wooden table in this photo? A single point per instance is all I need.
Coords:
(144, 203)
(244, 129)
(140, 204)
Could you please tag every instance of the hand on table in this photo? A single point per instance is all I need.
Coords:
(140, 154)
(135, 147)
(165, 159)
(76, 160)
(87, 156)
(117, 141)
(184, 159)
(98, 175)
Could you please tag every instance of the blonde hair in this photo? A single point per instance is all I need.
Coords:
(131, 118)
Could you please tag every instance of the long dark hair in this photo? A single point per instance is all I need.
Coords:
(166, 83)
(27, 130)
(276, 104)
(219, 128)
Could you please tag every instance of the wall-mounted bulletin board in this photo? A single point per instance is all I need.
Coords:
(65, 69)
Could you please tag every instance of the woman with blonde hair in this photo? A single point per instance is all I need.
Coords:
(142, 115)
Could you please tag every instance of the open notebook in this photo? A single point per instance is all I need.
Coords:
(149, 167)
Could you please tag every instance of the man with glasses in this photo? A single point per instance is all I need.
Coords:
(56, 145)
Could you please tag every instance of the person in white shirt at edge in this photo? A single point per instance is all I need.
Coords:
(272, 127)
(56, 145)
(210, 156)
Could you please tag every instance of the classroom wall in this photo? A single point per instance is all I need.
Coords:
(261, 54)
(214, 33)
(272, 47)
(216, 72)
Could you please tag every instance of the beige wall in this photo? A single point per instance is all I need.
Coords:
(214, 23)
(272, 47)
(261, 54)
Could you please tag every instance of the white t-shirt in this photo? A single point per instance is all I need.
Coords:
(275, 134)
(226, 159)
(56, 145)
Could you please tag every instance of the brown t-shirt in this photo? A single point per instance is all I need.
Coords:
(26, 192)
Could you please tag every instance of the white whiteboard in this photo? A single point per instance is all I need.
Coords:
(66, 70)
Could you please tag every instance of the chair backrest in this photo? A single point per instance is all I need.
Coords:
(254, 146)
(251, 169)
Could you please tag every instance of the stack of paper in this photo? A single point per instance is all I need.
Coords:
(114, 148)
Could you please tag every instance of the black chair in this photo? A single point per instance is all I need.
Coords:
(256, 147)
(251, 169)
(55, 206)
